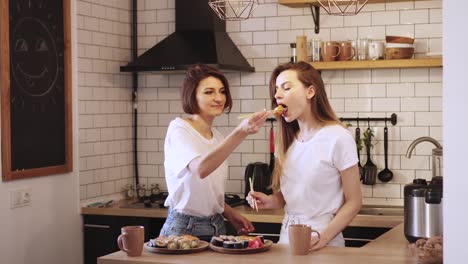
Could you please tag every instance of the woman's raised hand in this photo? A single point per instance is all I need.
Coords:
(253, 124)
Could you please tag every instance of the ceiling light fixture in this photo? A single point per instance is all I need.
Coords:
(342, 7)
(233, 10)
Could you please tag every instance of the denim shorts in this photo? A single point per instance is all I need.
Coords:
(202, 227)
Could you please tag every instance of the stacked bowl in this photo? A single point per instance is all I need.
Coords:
(398, 47)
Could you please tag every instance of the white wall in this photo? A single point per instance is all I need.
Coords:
(104, 97)
(455, 131)
(49, 230)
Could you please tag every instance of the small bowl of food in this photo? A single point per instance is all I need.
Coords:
(428, 251)
(398, 53)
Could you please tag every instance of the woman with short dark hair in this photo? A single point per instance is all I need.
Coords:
(195, 156)
(191, 81)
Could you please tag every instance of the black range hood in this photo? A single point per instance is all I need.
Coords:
(200, 37)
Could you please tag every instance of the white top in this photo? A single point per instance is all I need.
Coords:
(311, 181)
(190, 194)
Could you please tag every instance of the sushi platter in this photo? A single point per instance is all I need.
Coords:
(176, 245)
(240, 244)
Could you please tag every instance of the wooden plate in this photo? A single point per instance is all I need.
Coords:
(202, 246)
(266, 246)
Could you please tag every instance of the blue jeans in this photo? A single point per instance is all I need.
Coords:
(202, 227)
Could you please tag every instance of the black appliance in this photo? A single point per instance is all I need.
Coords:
(261, 177)
(199, 37)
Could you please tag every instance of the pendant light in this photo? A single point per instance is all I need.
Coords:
(233, 10)
(342, 7)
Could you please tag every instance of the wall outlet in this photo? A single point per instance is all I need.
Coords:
(20, 197)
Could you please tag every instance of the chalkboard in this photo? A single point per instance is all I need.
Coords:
(39, 115)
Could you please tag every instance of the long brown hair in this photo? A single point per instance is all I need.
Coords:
(320, 108)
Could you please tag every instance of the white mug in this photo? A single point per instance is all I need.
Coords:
(376, 50)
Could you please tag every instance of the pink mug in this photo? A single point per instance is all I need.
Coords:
(347, 51)
(330, 50)
(300, 237)
(131, 240)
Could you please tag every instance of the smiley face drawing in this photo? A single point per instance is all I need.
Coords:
(36, 55)
(34, 61)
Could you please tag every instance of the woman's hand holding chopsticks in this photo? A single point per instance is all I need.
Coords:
(260, 200)
(251, 190)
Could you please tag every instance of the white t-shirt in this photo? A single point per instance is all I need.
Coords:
(190, 194)
(311, 181)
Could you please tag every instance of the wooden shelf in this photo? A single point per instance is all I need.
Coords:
(305, 3)
(378, 64)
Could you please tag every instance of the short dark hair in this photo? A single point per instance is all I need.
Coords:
(194, 76)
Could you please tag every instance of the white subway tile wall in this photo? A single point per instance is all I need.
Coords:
(105, 119)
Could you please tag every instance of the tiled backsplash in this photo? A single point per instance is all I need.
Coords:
(415, 95)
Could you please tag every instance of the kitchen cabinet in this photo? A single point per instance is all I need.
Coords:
(358, 236)
(100, 233)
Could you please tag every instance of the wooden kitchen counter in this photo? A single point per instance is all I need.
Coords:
(391, 247)
(263, 216)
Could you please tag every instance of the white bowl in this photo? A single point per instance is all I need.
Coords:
(398, 45)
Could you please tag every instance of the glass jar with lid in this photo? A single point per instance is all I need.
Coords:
(141, 190)
(155, 191)
(128, 191)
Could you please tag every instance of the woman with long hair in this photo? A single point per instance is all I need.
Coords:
(316, 177)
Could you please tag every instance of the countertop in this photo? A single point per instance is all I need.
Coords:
(263, 216)
(391, 247)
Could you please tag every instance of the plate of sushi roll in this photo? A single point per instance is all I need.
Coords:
(184, 244)
(240, 244)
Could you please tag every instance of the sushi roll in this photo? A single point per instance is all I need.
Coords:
(172, 245)
(237, 245)
(217, 241)
(152, 243)
(184, 244)
(160, 243)
(194, 243)
(245, 244)
(262, 239)
(228, 244)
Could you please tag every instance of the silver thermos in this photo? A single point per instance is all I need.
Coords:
(423, 209)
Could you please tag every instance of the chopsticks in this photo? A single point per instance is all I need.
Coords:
(277, 111)
(251, 189)
(250, 115)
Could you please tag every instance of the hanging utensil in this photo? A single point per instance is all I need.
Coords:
(358, 146)
(370, 170)
(385, 175)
